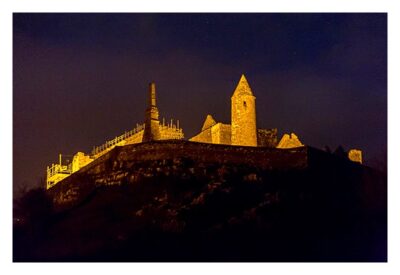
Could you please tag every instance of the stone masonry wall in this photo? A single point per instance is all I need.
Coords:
(204, 136)
(167, 132)
(267, 137)
(132, 162)
(243, 115)
(136, 138)
(221, 134)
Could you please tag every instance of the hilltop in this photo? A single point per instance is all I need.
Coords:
(186, 201)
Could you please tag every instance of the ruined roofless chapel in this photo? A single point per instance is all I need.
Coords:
(242, 131)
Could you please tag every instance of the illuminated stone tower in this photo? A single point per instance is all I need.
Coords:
(152, 124)
(243, 115)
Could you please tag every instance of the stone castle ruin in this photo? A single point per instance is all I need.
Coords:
(152, 129)
(242, 131)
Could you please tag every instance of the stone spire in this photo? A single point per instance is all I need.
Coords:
(152, 95)
(243, 115)
(243, 87)
(152, 124)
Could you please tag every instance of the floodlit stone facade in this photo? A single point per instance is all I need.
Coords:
(243, 115)
(80, 160)
(56, 173)
(151, 130)
(206, 131)
(243, 128)
(221, 133)
(213, 132)
(242, 131)
(151, 122)
(355, 155)
(289, 141)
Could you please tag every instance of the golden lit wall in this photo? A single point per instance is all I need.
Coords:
(355, 155)
(218, 134)
(136, 138)
(243, 115)
(204, 136)
(173, 132)
(151, 128)
(221, 134)
(289, 141)
(80, 160)
(56, 173)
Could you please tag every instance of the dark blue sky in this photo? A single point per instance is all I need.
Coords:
(81, 79)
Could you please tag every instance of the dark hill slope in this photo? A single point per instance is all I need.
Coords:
(180, 201)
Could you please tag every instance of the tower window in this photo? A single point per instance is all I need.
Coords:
(244, 104)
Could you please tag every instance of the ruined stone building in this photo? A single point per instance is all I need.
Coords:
(289, 141)
(243, 129)
(152, 129)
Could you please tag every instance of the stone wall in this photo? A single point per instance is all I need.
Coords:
(289, 141)
(53, 180)
(138, 161)
(204, 136)
(80, 160)
(136, 138)
(221, 134)
(355, 155)
(208, 122)
(167, 132)
(267, 137)
(243, 128)
(243, 115)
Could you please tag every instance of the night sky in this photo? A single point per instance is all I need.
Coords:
(81, 79)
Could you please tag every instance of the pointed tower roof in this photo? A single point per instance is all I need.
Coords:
(209, 122)
(243, 87)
